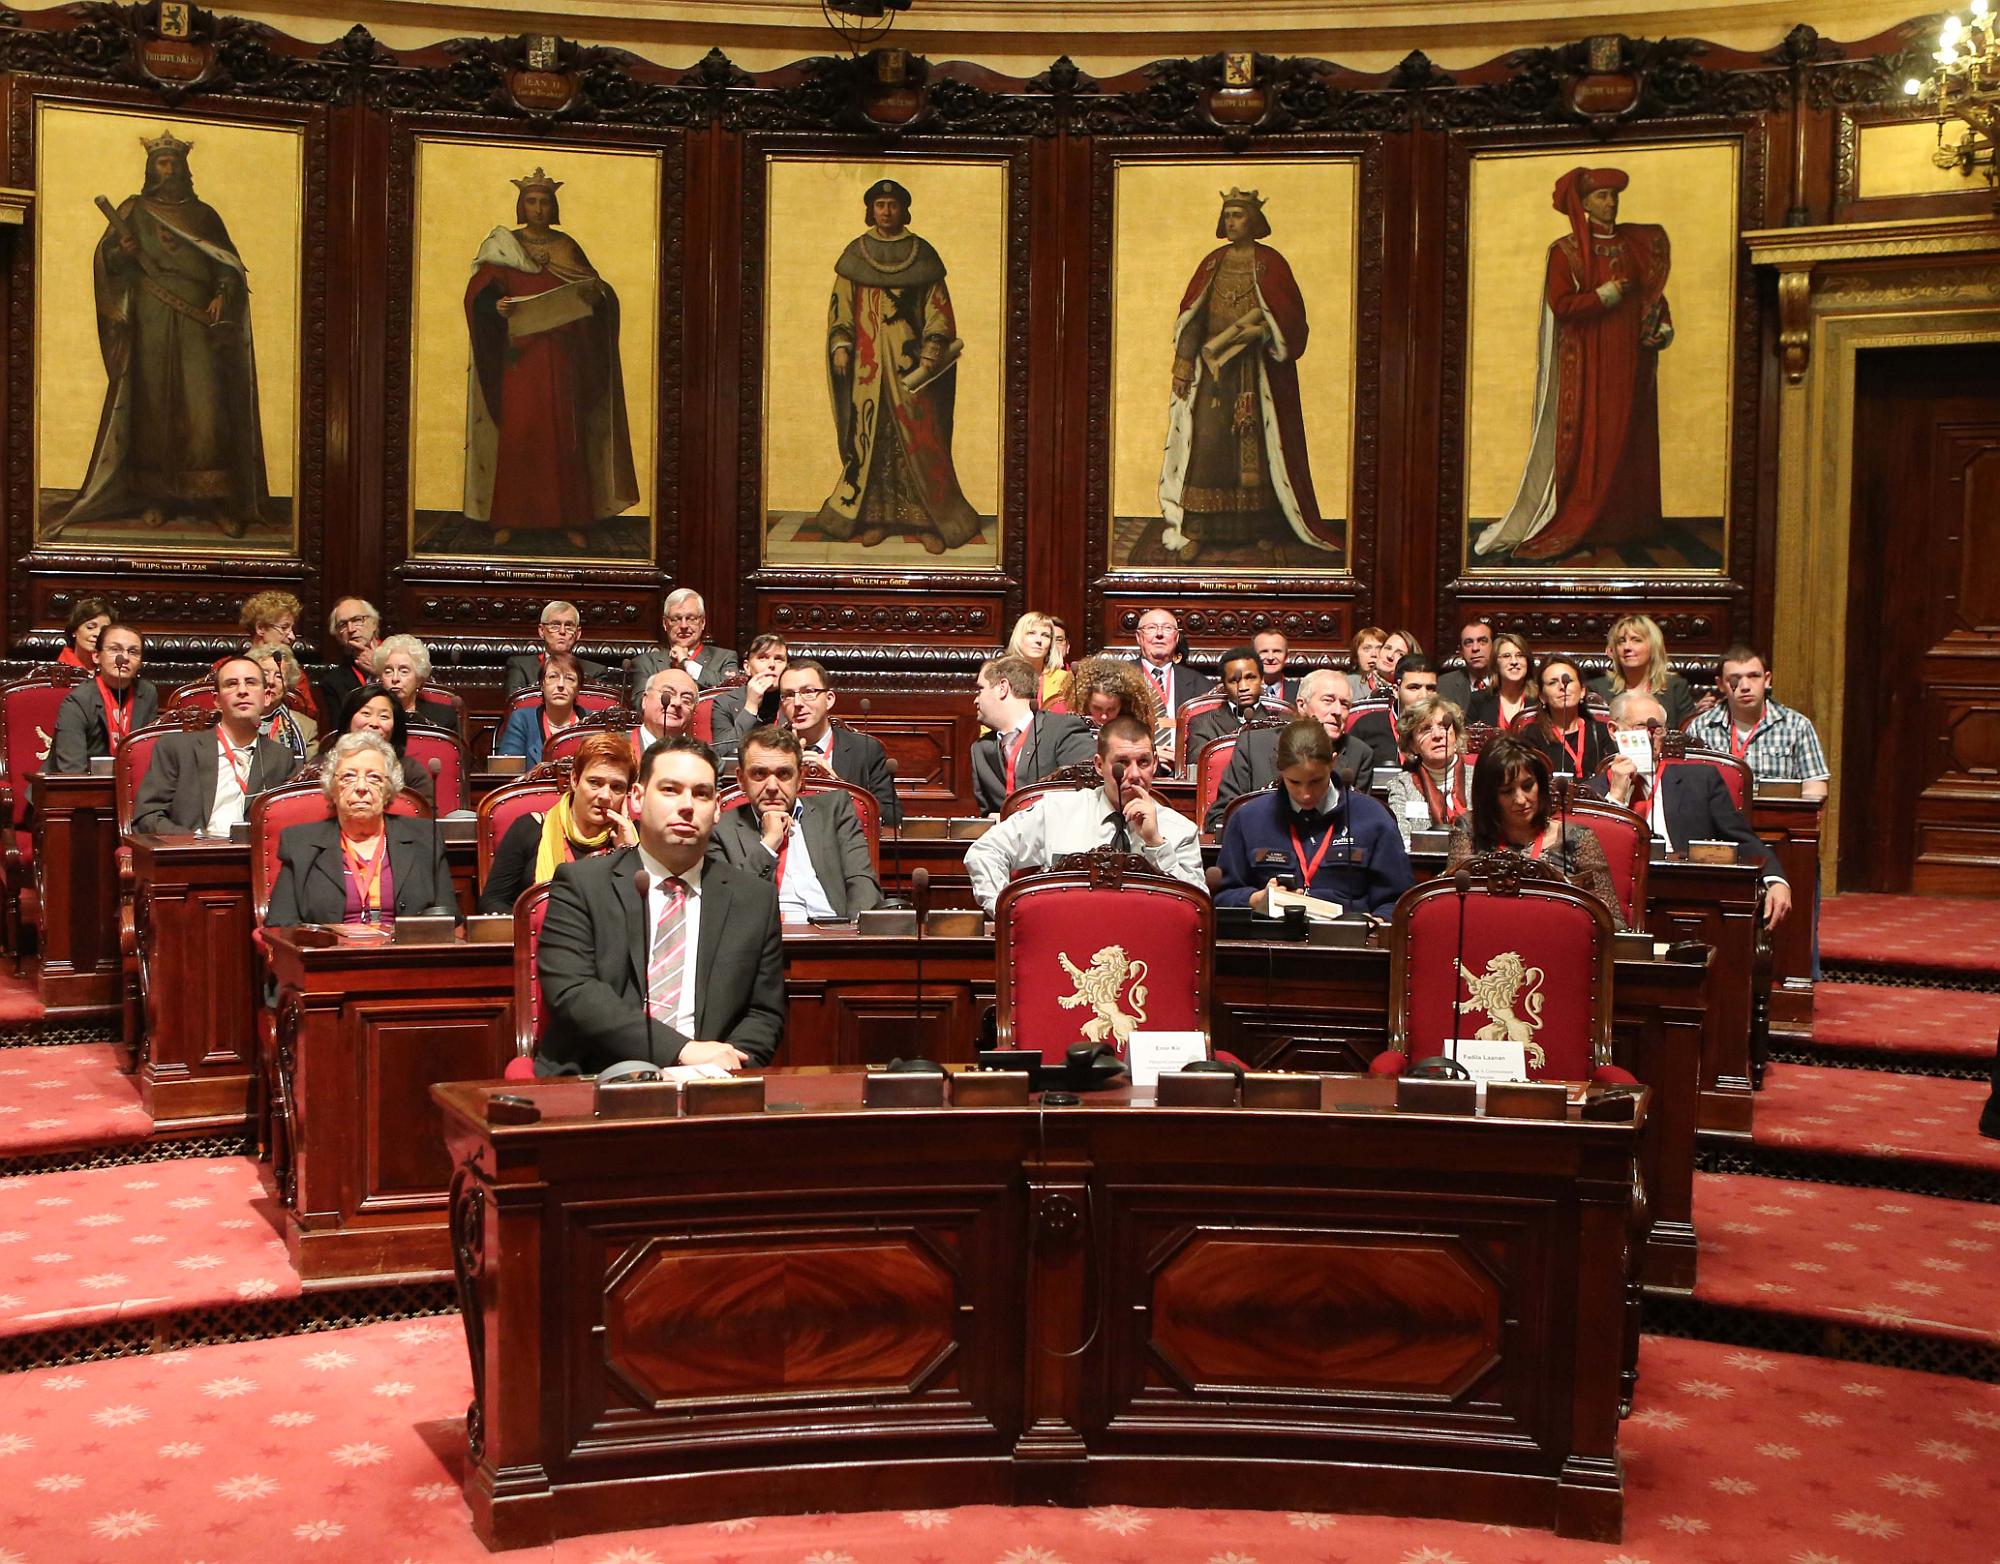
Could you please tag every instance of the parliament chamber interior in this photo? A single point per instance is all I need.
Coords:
(1347, 655)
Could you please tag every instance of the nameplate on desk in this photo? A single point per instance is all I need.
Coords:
(1430, 841)
(1711, 852)
(458, 828)
(923, 828)
(901, 1089)
(738, 1094)
(1774, 788)
(939, 922)
(1149, 1055)
(100, 765)
(1280, 1089)
(441, 930)
(1656, 851)
(967, 830)
(990, 1089)
(1489, 1058)
(1359, 1093)
(239, 833)
(1527, 1100)
(490, 928)
(1632, 945)
(506, 765)
(1346, 934)
(1195, 1089)
(637, 1100)
(1415, 1094)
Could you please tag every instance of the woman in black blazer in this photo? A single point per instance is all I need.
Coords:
(365, 865)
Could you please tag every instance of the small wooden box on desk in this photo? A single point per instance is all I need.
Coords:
(364, 1031)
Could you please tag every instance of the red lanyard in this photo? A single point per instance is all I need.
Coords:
(784, 847)
(1575, 755)
(1014, 752)
(1535, 847)
(117, 719)
(1739, 747)
(242, 769)
(1298, 849)
(371, 868)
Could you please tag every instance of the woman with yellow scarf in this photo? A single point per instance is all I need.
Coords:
(592, 817)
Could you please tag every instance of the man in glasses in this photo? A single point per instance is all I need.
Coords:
(684, 619)
(805, 705)
(560, 628)
(356, 628)
(1685, 802)
(665, 708)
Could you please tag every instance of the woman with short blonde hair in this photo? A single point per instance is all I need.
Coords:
(1638, 652)
(1034, 637)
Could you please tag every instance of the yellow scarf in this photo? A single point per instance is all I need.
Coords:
(560, 842)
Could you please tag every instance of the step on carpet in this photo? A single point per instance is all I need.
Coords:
(349, 1446)
(141, 1241)
(72, 1098)
(20, 998)
(1959, 934)
(1924, 1023)
(1877, 1115)
(1854, 1257)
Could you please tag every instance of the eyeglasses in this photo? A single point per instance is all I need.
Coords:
(360, 782)
(686, 619)
(562, 624)
(806, 692)
(352, 620)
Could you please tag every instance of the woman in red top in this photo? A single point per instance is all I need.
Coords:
(87, 621)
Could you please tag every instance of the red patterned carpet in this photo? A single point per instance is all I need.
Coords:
(1910, 1118)
(20, 1000)
(67, 1099)
(1948, 933)
(349, 1447)
(1856, 1256)
(137, 1241)
(1942, 1022)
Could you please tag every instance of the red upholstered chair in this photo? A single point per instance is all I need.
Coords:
(867, 807)
(1627, 841)
(1362, 709)
(1209, 766)
(28, 708)
(437, 692)
(702, 723)
(535, 794)
(1540, 946)
(564, 745)
(199, 694)
(1091, 954)
(423, 745)
(1675, 750)
(1066, 779)
(589, 698)
(1200, 706)
(530, 1023)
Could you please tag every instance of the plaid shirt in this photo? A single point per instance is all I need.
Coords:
(1782, 748)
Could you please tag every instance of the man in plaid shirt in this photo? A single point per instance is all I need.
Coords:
(1779, 744)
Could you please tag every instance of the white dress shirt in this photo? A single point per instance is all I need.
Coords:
(1074, 822)
(231, 803)
(682, 1020)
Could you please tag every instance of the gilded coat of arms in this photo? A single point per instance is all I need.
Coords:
(1497, 991)
(1103, 989)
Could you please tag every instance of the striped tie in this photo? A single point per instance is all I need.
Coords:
(665, 972)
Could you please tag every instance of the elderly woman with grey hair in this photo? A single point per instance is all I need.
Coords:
(403, 668)
(1432, 788)
(364, 865)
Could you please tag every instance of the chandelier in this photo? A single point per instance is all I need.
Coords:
(1966, 86)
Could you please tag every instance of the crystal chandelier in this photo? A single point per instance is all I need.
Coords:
(1966, 86)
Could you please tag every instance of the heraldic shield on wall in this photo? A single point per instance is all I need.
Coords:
(885, 295)
(533, 346)
(167, 323)
(1233, 302)
(1601, 320)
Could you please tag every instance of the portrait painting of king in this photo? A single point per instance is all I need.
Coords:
(180, 455)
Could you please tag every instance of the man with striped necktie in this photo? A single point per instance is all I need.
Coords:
(658, 952)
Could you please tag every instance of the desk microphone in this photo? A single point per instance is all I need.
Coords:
(920, 898)
(1461, 883)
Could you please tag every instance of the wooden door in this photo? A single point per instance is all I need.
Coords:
(1922, 743)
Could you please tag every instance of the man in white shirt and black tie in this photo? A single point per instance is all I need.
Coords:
(685, 966)
(1122, 813)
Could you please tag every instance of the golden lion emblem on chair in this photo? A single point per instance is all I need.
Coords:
(1495, 993)
(1101, 988)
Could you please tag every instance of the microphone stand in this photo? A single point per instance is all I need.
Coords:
(920, 898)
(1462, 883)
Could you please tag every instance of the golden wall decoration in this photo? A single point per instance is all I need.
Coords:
(1233, 365)
(885, 299)
(534, 381)
(167, 328)
(1600, 359)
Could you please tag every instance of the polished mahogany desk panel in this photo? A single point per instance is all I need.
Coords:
(852, 1000)
(821, 1307)
(76, 881)
(364, 1030)
(1792, 828)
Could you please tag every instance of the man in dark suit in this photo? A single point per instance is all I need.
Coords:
(1415, 678)
(752, 704)
(1686, 802)
(1475, 645)
(95, 716)
(1323, 695)
(204, 780)
(684, 619)
(812, 848)
(692, 970)
(1272, 650)
(1025, 745)
(1174, 683)
(805, 701)
(356, 628)
(560, 626)
(1242, 692)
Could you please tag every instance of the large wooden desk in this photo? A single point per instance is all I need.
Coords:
(363, 1032)
(689, 1319)
(199, 978)
(1792, 828)
(76, 881)
(853, 1001)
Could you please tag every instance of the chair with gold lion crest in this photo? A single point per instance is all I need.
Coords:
(1096, 948)
(1505, 950)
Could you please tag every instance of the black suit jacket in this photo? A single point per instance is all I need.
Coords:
(730, 721)
(335, 682)
(1699, 809)
(1377, 729)
(513, 868)
(834, 841)
(312, 878)
(1183, 683)
(717, 664)
(1221, 722)
(82, 732)
(1254, 767)
(1054, 740)
(524, 672)
(592, 962)
(178, 791)
(860, 759)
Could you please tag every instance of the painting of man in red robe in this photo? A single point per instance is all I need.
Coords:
(1235, 471)
(1592, 479)
(547, 448)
